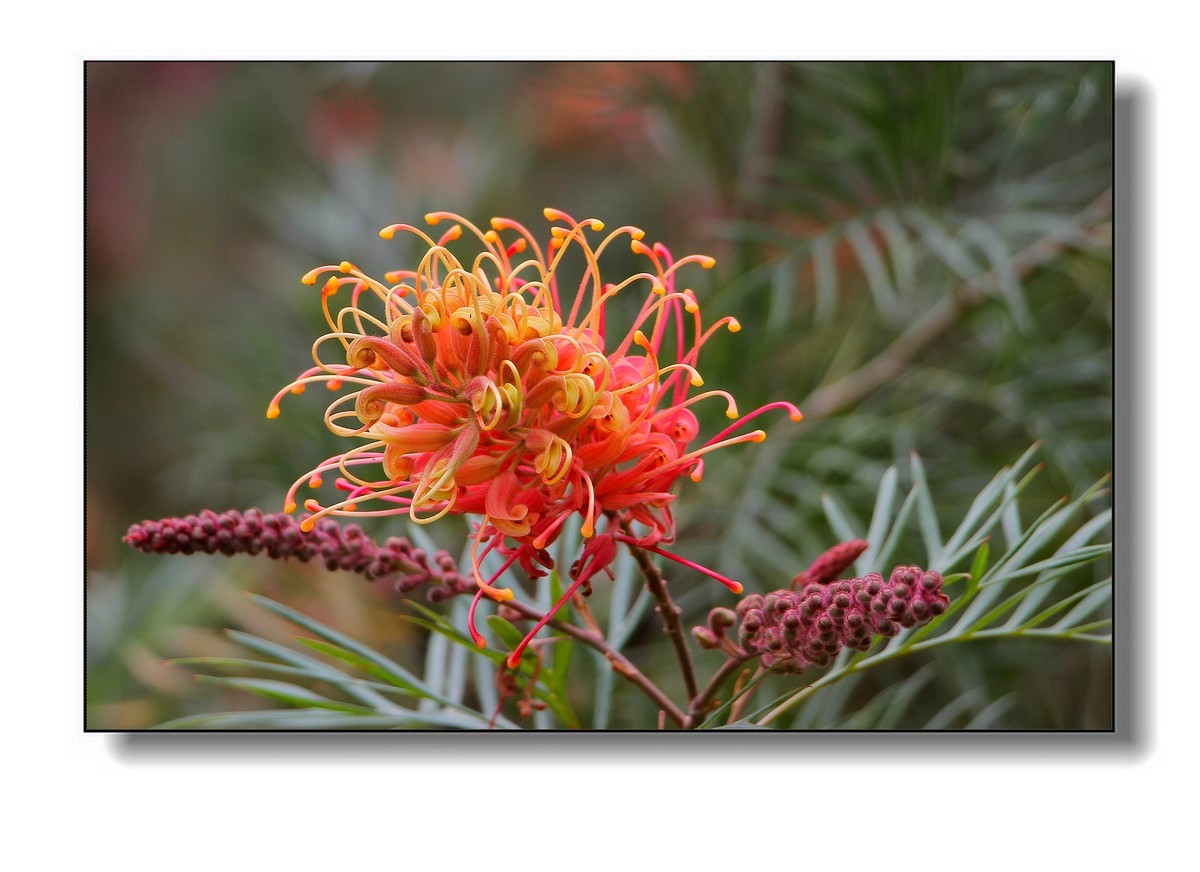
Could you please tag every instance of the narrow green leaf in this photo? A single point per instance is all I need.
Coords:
(926, 513)
(285, 692)
(843, 528)
(885, 498)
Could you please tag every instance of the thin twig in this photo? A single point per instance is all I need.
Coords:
(891, 362)
(701, 703)
(618, 660)
(739, 705)
(670, 617)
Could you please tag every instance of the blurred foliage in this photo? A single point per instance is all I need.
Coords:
(956, 212)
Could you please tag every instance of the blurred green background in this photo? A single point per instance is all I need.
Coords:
(919, 253)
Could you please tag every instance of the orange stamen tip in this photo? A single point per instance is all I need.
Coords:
(312, 505)
(315, 482)
(757, 436)
(736, 587)
(289, 508)
(453, 233)
(640, 338)
(637, 233)
(480, 642)
(708, 262)
(559, 232)
(298, 389)
(350, 507)
(333, 384)
(796, 416)
(588, 530)
(330, 287)
(272, 411)
(551, 214)
(345, 266)
(491, 236)
(388, 232)
(513, 661)
(497, 223)
(734, 325)
(432, 218)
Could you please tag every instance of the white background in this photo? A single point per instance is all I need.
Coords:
(794, 802)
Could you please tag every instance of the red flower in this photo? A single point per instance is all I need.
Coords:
(479, 393)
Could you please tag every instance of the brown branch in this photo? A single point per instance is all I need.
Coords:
(891, 362)
(701, 703)
(670, 615)
(619, 662)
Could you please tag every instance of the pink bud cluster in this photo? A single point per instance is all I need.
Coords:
(791, 630)
(280, 536)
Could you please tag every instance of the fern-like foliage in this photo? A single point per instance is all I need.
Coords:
(1046, 583)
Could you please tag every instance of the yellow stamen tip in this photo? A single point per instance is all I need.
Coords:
(637, 233)
(639, 338)
(497, 224)
(432, 218)
(596, 224)
(272, 411)
(491, 236)
(697, 381)
(588, 530)
(691, 307)
(387, 232)
(708, 262)
(734, 325)
(659, 289)
(731, 413)
(345, 266)
(550, 214)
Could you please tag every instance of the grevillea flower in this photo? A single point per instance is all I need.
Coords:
(477, 391)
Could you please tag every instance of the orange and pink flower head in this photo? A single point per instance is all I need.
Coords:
(478, 390)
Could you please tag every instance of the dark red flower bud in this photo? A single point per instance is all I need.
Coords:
(792, 630)
(279, 537)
